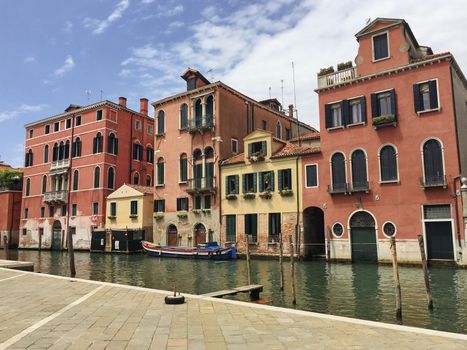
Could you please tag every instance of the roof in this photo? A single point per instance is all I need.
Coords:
(142, 189)
(193, 72)
(393, 22)
(308, 136)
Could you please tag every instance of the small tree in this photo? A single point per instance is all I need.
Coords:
(11, 179)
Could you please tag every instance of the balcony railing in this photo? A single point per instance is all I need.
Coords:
(338, 188)
(201, 184)
(360, 186)
(434, 181)
(200, 123)
(337, 78)
(56, 197)
(60, 166)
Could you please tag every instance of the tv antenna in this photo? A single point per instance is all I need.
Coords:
(211, 71)
(102, 94)
(270, 96)
(282, 92)
(88, 94)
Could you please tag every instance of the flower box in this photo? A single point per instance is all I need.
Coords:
(325, 71)
(206, 211)
(344, 65)
(266, 195)
(182, 214)
(249, 195)
(286, 192)
(256, 157)
(196, 211)
(231, 196)
(384, 120)
(158, 215)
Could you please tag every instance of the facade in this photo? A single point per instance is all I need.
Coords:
(73, 161)
(10, 204)
(393, 134)
(261, 193)
(196, 129)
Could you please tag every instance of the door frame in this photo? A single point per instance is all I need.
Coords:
(350, 235)
(453, 229)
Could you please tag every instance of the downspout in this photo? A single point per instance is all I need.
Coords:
(297, 226)
(131, 148)
(69, 238)
(220, 201)
(456, 207)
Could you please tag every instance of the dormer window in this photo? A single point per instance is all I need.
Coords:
(380, 47)
(257, 149)
(191, 84)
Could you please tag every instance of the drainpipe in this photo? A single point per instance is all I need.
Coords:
(220, 201)
(456, 206)
(131, 148)
(69, 238)
(297, 226)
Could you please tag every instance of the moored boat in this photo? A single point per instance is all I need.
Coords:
(208, 250)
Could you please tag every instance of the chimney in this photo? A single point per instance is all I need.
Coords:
(122, 101)
(143, 106)
(290, 111)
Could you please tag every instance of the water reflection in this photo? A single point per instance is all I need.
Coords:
(361, 290)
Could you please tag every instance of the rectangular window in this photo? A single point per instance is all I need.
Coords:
(95, 208)
(231, 183)
(78, 120)
(113, 209)
(380, 47)
(51, 211)
(74, 209)
(133, 208)
(251, 227)
(182, 204)
(31, 133)
(138, 125)
(42, 212)
(384, 104)
(47, 129)
(264, 125)
(64, 210)
(183, 170)
(311, 175)
(426, 96)
(288, 134)
(383, 107)
(41, 231)
(285, 179)
(150, 130)
(159, 205)
(207, 202)
(160, 174)
(333, 115)
(68, 124)
(99, 114)
(57, 126)
(234, 145)
(355, 109)
(274, 227)
(231, 228)
(197, 202)
(24, 232)
(266, 181)
(249, 183)
(73, 230)
(26, 213)
(257, 149)
(436, 212)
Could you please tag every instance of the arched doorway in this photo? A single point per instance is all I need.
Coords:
(313, 233)
(363, 237)
(172, 236)
(200, 234)
(57, 235)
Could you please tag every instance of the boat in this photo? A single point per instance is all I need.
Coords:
(207, 250)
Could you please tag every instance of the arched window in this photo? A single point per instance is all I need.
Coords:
(66, 154)
(183, 168)
(149, 154)
(136, 179)
(160, 123)
(137, 151)
(433, 163)
(148, 180)
(278, 130)
(208, 152)
(209, 110)
(388, 163)
(160, 172)
(198, 113)
(183, 116)
(112, 144)
(75, 180)
(61, 150)
(359, 173)
(44, 184)
(46, 154)
(28, 186)
(197, 154)
(55, 152)
(98, 143)
(111, 178)
(76, 148)
(209, 170)
(28, 158)
(339, 180)
(97, 177)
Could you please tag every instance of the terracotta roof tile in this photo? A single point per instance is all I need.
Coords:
(308, 136)
(239, 158)
(430, 57)
(292, 149)
(142, 189)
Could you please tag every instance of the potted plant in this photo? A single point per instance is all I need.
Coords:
(325, 71)
(196, 211)
(206, 210)
(231, 196)
(182, 214)
(249, 195)
(266, 194)
(344, 65)
(286, 192)
(384, 120)
(158, 215)
(256, 157)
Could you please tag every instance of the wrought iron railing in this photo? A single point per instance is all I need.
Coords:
(338, 188)
(201, 184)
(200, 123)
(433, 181)
(359, 186)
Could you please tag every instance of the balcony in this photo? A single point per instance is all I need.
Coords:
(200, 124)
(360, 186)
(434, 181)
(338, 188)
(336, 78)
(56, 197)
(201, 185)
(59, 166)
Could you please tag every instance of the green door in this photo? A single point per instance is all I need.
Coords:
(439, 240)
(57, 236)
(363, 244)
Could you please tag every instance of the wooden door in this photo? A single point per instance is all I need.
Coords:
(363, 244)
(172, 236)
(200, 234)
(439, 240)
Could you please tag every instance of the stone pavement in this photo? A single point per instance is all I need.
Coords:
(49, 312)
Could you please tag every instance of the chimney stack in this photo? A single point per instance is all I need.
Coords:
(143, 106)
(122, 101)
(291, 111)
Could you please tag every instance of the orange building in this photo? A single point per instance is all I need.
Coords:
(10, 204)
(73, 160)
(196, 129)
(394, 145)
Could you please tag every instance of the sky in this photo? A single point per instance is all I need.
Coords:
(54, 52)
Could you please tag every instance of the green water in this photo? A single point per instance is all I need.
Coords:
(358, 290)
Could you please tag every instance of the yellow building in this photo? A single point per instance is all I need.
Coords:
(261, 193)
(129, 218)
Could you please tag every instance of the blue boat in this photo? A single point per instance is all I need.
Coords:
(208, 250)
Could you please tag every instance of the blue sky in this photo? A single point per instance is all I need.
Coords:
(52, 51)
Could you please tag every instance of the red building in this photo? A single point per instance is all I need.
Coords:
(73, 160)
(394, 145)
(10, 204)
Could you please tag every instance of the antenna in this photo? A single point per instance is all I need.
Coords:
(295, 104)
(282, 90)
(270, 92)
(88, 94)
(210, 70)
(102, 94)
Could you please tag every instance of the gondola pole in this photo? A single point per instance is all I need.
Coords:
(425, 272)
(281, 261)
(247, 249)
(292, 269)
(397, 283)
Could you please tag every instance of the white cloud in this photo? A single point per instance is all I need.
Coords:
(166, 10)
(67, 28)
(23, 109)
(147, 1)
(99, 26)
(67, 66)
(30, 59)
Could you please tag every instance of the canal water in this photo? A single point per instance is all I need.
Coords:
(362, 291)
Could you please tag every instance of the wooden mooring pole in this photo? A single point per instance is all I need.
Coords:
(40, 240)
(328, 244)
(425, 272)
(395, 270)
(71, 253)
(247, 249)
(281, 260)
(292, 269)
(6, 248)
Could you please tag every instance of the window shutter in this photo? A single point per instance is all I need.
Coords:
(227, 185)
(261, 184)
(393, 103)
(254, 182)
(433, 94)
(271, 179)
(116, 146)
(73, 149)
(236, 184)
(279, 179)
(94, 145)
(374, 106)
(243, 183)
(417, 97)
(263, 147)
(345, 112)
(250, 149)
(327, 116)
(363, 106)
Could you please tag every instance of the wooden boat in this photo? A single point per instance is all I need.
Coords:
(208, 250)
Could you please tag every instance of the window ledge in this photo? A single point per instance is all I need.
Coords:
(182, 182)
(335, 128)
(160, 185)
(273, 243)
(133, 215)
(253, 243)
(389, 182)
(419, 113)
(380, 59)
(356, 124)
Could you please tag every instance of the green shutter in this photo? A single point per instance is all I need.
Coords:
(263, 147)
(271, 180)
(261, 184)
(279, 179)
(227, 185)
(236, 184)
(254, 182)
(250, 149)
(433, 94)
(243, 183)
